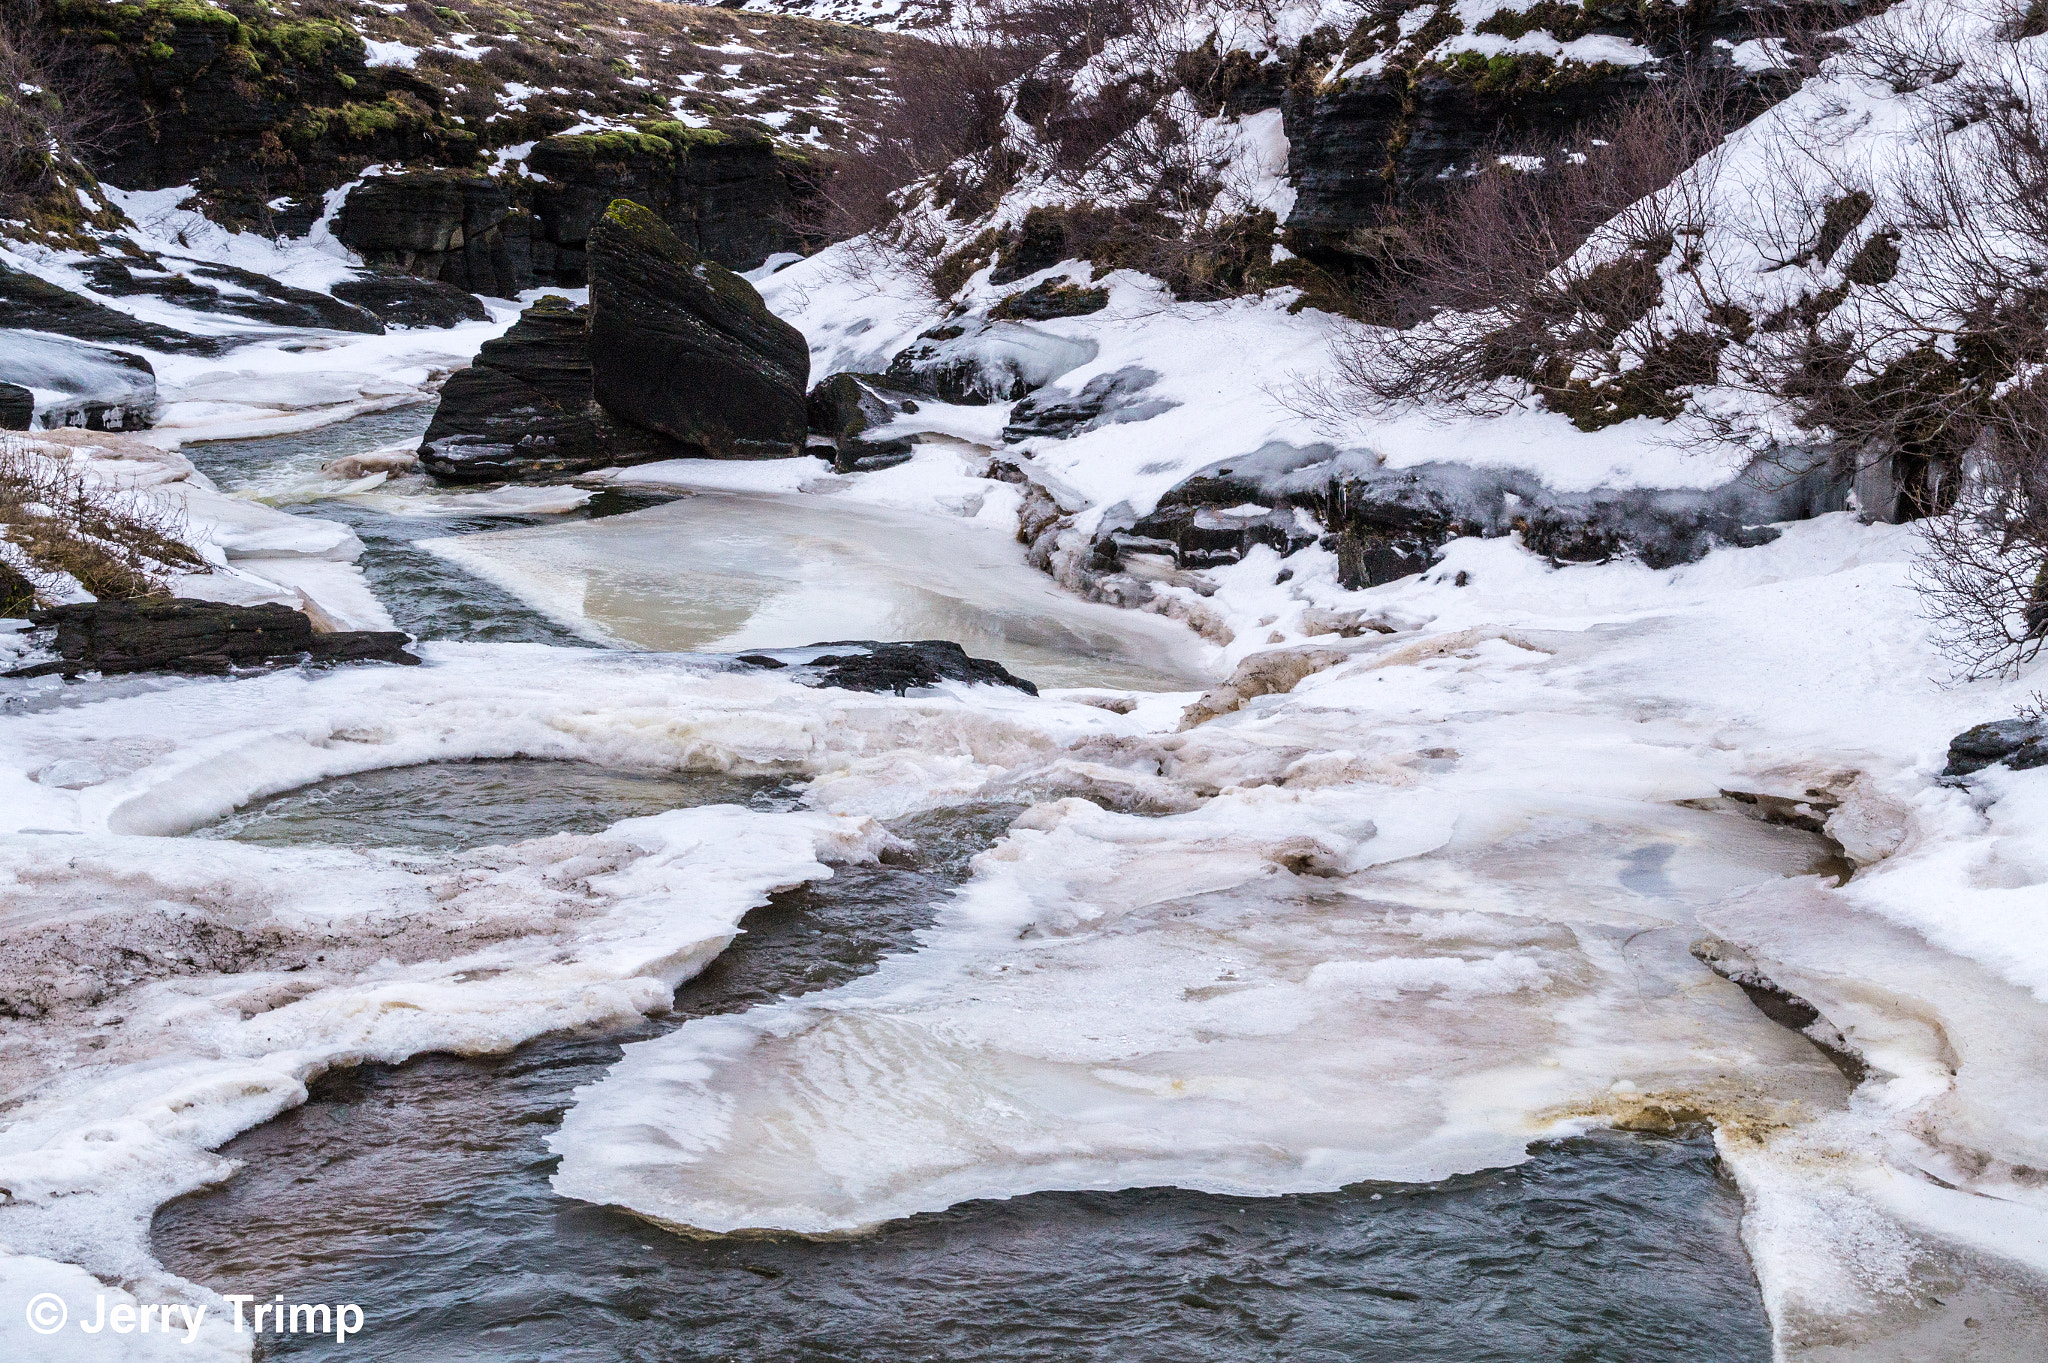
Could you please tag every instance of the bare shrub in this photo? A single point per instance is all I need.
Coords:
(1983, 568)
(54, 102)
(115, 543)
(1547, 260)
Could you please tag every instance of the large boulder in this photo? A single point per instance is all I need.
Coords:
(682, 346)
(442, 225)
(524, 408)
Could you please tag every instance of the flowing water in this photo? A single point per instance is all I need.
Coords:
(421, 1191)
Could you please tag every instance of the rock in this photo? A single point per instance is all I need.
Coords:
(1385, 524)
(28, 303)
(2020, 744)
(979, 362)
(102, 390)
(439, 225)
(840, 409)
(17, 407)
(1053, 298)
(401, 300)
(1273, 673)
(729, 196)
(1105, 400)
(251, 104)
(1040, 244)
(197, 285)
(683, 347)
(523, 409)
(112, 637)
(868, 665)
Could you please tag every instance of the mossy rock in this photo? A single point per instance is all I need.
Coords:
(1053, 298)
(683, 347)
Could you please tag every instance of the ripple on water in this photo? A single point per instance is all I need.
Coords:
(421, 1191)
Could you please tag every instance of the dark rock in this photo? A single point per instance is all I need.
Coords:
(1041, 243)
(1387, 524)
(17, 407)
(28, 303)
(251, 104)
(253, 297)
(1105, 400)
(523, 409)
(728, 195)
(2020, 744)
(868, 665)
(113, 637)
(841, 408)
(978, 362)
(1360, 145)
(1053, 298)
(400, 300)
(440, 225)
(682, 346)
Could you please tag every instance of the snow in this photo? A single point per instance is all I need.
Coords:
(1436, 900)
(390, 54)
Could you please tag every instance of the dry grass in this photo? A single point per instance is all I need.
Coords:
(114, 542)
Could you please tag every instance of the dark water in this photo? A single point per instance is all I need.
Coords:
(445, 806)
(429, 597)
(421, 1192)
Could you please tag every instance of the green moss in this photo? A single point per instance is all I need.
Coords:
(1517, 75)
(1561, 21)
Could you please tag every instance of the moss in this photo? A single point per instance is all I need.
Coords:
(1560, 21)
(953, 271)
(1054, 298)
(1516, 75)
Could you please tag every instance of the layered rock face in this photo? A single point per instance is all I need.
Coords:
(1360, 143)
(267, 104)
(729, 196)
(441, 225)
(674, 357)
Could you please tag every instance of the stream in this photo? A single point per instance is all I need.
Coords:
(420, 1191)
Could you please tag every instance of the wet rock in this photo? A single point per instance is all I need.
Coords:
(17, 407)
(2019, 744)
(253, 297)
(841, 409)
(1385, 524)
(1105, 400)
(683, 347)
(85, 385)
(1053, 298)
(28, 303)
(401, 300)
(438, 225)
(523, 409)
(727, 195)
(979, 362)
(206, 637)
(870, 665)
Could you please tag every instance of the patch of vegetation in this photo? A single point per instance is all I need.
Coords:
(115, 544)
